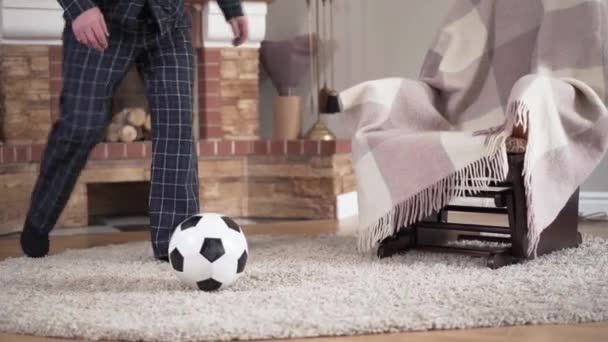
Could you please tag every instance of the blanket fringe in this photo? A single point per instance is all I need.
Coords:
(470, 179)
(521, 113)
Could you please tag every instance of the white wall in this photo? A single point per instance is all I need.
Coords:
(378, 38)
(598, 182)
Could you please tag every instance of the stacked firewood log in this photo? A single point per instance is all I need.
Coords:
(128, 125)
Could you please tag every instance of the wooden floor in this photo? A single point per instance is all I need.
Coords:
(582, 332)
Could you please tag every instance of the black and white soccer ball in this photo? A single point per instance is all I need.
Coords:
(208, 251)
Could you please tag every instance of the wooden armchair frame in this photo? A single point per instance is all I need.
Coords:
(510, 200)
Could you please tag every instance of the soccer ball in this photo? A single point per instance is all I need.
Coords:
(208, 251)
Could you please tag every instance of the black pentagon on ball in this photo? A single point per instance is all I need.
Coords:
(177, 260)
(209, 285)
(212, 249)
(191, 222)
(231, 224)
(241, 263)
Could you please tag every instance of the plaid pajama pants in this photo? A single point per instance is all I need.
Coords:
(89, 79)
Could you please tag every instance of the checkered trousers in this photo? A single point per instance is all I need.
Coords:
(89, 79)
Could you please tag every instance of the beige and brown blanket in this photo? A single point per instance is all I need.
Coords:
(538, 64)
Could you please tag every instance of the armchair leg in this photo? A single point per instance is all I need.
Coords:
(402, 242)
(498, 260)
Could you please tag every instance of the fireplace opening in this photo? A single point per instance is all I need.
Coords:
(118, 204)
(131, 120)
(130, 93)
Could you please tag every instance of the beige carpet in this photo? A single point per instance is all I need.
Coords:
(296, 287)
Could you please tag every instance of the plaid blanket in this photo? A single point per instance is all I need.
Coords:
(539, 65)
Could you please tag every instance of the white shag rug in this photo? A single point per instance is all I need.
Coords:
(296, 287)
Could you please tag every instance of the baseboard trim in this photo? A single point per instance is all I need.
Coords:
(593, 202)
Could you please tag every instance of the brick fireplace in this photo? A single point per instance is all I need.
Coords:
(241, 174)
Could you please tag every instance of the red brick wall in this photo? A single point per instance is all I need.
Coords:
(228, 93)
(25, 153)
(209, 93)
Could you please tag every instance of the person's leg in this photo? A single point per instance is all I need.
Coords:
(167, 67)
(89, 79)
